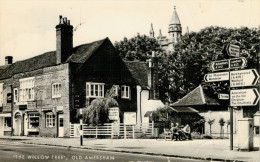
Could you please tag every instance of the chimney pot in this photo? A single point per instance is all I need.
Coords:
(60, 19)
(8, 60)
(65, 20)
(68, 22)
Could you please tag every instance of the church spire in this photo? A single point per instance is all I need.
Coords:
(151, 31)
(175, 18)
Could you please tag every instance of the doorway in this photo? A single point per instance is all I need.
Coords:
(61, 127)
(17, 124)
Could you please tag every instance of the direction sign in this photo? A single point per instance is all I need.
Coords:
(244, 97)
(223, 96)
(233, 50)
(243, 78)
(220, 65)
(237, 63)
(228, 64)
(214, 77)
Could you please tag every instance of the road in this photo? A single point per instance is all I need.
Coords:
(14, 151)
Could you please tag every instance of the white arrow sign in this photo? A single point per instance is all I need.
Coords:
(223, 96)
(214, 77)
(233, 50)
(243, 78)
(244, 97)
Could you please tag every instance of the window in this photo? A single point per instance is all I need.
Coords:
(56, 90)
(50, 120)
(15, 95)
(1, 94)
(94, 89)
(125, 91)
(7, 123)
(27, 89)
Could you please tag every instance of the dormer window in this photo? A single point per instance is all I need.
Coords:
(125, 91)
(94, 90)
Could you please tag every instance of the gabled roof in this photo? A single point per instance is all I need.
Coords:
(175, 18)
(80, 54)
(139, 71)
(196, 97)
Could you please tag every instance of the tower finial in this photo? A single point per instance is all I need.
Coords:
(174, 7)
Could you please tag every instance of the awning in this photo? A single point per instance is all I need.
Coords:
(184, 110)
(5, 115)
(196, 97)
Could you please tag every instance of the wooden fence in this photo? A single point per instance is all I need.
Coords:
(110, 129)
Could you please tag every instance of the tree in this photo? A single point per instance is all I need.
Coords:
(221, 123)
(210, 122)
(97, 112)
(137, 48)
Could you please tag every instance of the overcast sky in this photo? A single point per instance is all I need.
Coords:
(27, 28)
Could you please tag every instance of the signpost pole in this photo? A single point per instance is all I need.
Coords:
(231, 117)
(81, 129)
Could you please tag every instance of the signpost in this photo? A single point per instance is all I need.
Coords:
(233, 50)
(228, 64)
(214, 77)
(244, 97)
(243, 78)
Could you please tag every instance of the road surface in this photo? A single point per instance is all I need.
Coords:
(14, 151)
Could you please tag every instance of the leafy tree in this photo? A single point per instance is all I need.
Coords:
(221, 123)
(184, 69)
(97, 112)
(137, 48)
(210, 122)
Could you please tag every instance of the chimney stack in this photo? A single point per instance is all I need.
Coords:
(153, 77)
(8, 60)
(64, 40)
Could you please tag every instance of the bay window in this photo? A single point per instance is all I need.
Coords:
(94, 90)
(27, 89)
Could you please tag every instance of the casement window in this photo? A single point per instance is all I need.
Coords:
(94, 90)
(16, 95)
(27, 89)
(56, 90)
(125, 91)
(1, 94)
(50, 120)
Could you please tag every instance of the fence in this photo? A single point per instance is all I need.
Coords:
(110, 129)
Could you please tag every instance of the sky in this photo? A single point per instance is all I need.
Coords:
(27, 27)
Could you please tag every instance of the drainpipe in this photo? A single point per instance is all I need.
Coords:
(141, 105)
(12, 111)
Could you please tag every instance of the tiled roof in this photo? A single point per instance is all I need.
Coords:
(195, 98)
(184, 110)
(139, 71)
(80, 54)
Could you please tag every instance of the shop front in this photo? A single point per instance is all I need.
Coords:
(5, 124)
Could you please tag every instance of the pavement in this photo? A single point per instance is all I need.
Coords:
(204, 149)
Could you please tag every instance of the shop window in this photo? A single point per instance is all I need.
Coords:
(27, 89)
(56, 90)
(33, 121)
(94, 90)
(125, 91)
(50, 120)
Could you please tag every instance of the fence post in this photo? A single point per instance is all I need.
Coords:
(124, 131)
(133, 128)
(96, 131)
(112, 130)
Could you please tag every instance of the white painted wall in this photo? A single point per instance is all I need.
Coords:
(146, 105)
(215, 128)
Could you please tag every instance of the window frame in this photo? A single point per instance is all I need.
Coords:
(54, 90)
(92, 92)
(16, 95)
(26, 92)
(49, 120)
(125, 93)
